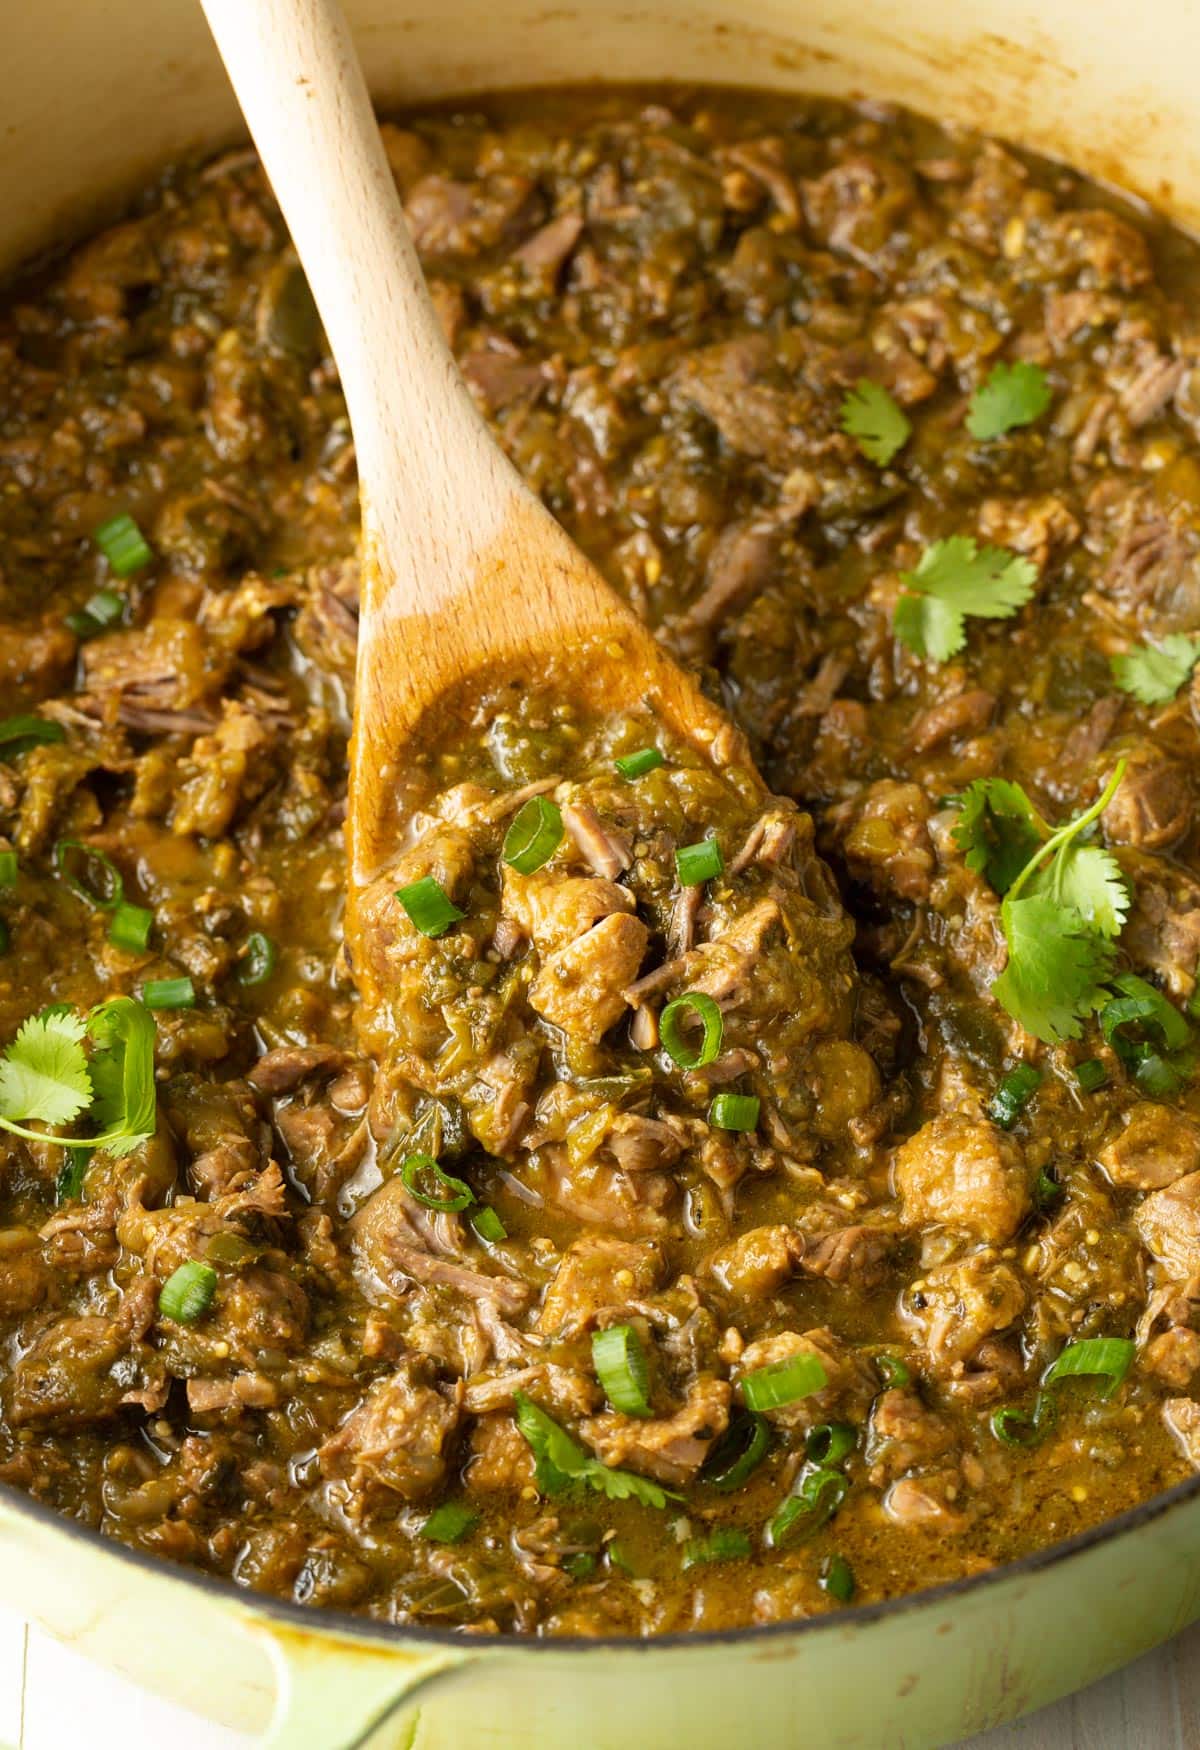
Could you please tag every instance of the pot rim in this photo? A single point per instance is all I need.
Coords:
(346, 1625)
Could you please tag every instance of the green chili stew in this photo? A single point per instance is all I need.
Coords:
(725, 1210)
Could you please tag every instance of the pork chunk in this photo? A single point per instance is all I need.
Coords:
(671, 1448)
(596, 1273)
(1169, 1224)
(1155, 1146)
(965, 1173)
(580, 988)
(395, 1442)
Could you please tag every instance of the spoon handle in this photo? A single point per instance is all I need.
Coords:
(423, 451)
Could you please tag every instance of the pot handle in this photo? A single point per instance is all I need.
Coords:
(333, 1694)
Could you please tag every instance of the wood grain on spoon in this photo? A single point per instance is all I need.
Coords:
(468, 579)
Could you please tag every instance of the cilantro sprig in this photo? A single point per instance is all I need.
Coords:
(954, 580)
(1013, 395)
(62, 1065)
(873, 420)
(1154, 673)
(561, 1462)
(1064, 902)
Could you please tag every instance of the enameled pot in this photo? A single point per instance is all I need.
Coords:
(95, 96)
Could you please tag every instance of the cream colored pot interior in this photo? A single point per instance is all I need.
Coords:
(96, 92)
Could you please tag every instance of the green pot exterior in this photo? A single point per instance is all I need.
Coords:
(915, 1674)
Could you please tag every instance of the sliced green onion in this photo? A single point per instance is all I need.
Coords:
(534, 836)
(636, 765)
(820, 1494)
(8, 868)
(169, 993)
(1157, 1075)
(620, 1363)
(1145, 1059)
(1013, 1095)
(727, 1545)
(68, 1187)
(232, 1249)
(123, 545)
(1046, 1190)
(19, 734)
(429, 906)
(425, 1181)
(488, 1225)
(449, 1523)
(90, 874)
(106, 608)
(738, 1453)
(1154, 1007)
(734, 1112)
(837, 1578)
(187, 1293)
(258, 959)
(581, 1565)
(783, 1382)
(828, 1444)
(892, 1371)
(1091, 1075)
(618, 1557)
(692, 1005)
(130, 928)
(1106, 1357)
(1013, 1427)
(697, 863)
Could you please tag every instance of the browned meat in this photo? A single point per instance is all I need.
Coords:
(581, 988)
(25, 1277)
(595, 1274)
(1169, 1223)
(552, 911)
(904, 1433)
(960, 715)
(965, 1173)
(500, 1459)
(1150, 388)
(603, 850)
(461, 218)
(740, 562)
(671, 1448)
(550, 247)
(850, 1385)
(952, 1308)
(1154, 806)
(732, 385)
(857, 1254)
(1182, 1418)
(757, 1263)
(1155, 1146)
(927, 1503)
(281, 1071)
(83, 1370)
(395, 1441)
(884, 838)
(1162, 934)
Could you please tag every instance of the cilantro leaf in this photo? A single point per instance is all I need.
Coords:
(122, 1069)
(956, 578)
(999, 830)
(561, 1461)
(873, 420)
(44, 1072)
(1013, 395)
(1056, 968)
(1155, 673)
(47, 1076)
(1088, 880)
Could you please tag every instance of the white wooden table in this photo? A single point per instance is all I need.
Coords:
(51, 1698)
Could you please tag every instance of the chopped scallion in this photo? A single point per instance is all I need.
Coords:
(1108, 1358)
(19, 734)
(726, 1545)
(429, 907)
(130, 928)
(258, 959)
(837, 1579)
(169, 993)
(534, 836)
(8, 868)
(1013, 1095)
(449, 1523)
(892, 1371)
(738, 1453)
(425, 1180)
(68, 1187)
(581, 1565)
(1046, 1191)
(1027, 1428)
(123, 545)
(692, 1005)
(783, 1382)
(829, 1443)
(700, 862)
(488, 1225)
(734, 1112)
(187, 1293)
(1091, 1075)
(816, 1499)
(89, 873)
(636, 765)
(106, 608)
(620, 1363)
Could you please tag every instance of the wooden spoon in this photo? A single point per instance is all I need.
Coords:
(467, 577)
